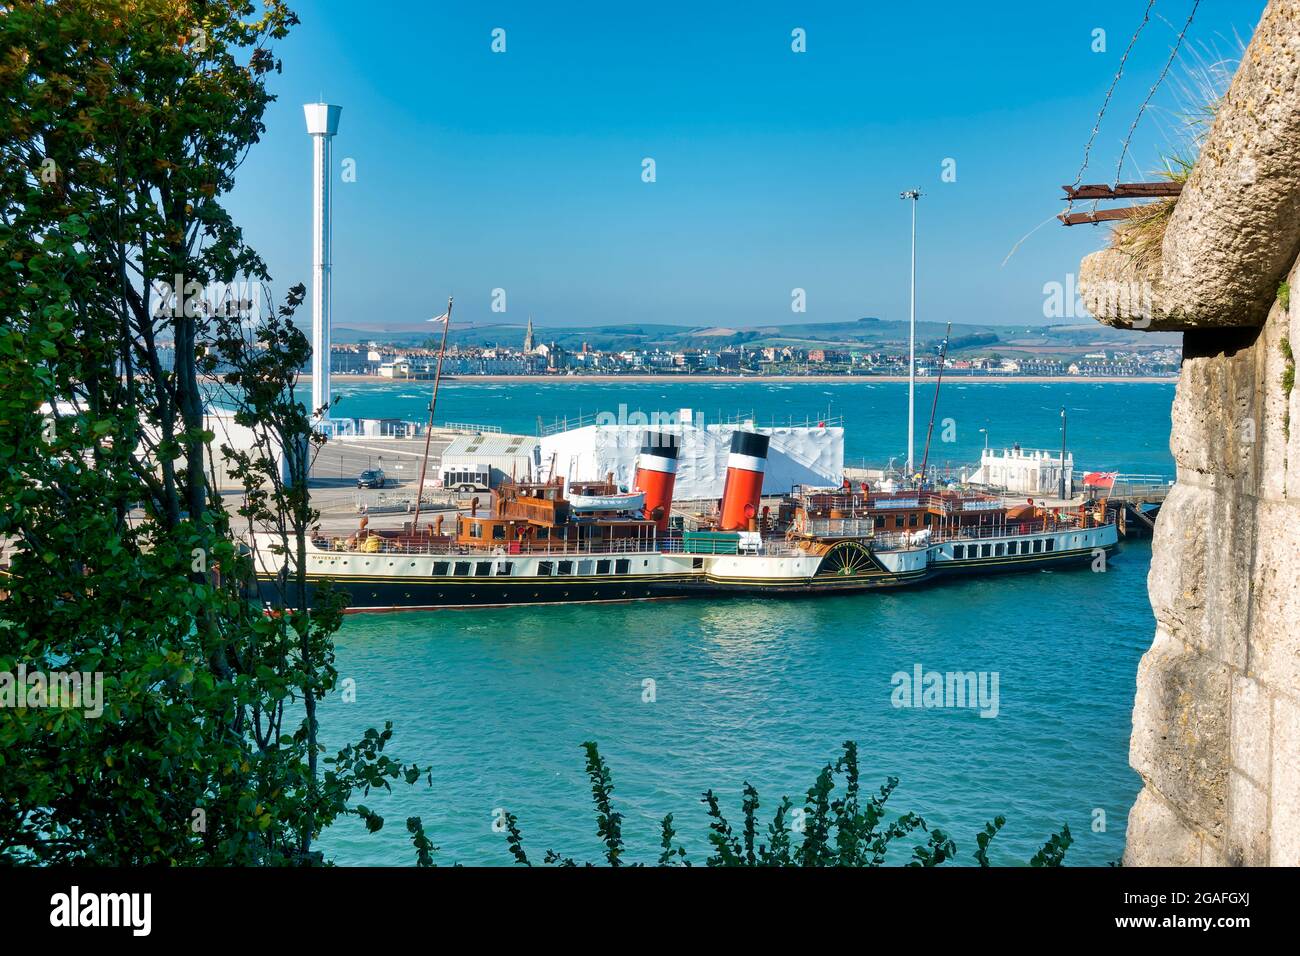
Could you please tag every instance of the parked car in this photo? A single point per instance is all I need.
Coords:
(372, 478)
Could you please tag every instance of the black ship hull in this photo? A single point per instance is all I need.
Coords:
(379, 594)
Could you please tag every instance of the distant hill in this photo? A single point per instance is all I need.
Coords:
(867, 333)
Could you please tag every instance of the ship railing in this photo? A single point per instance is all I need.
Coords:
(404, 546)
(892, 541)
(839, 527)
(818, 503)
(667, 544)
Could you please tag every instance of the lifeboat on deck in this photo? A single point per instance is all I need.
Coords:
(618, 501)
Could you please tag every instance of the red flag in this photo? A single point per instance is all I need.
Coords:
(1098, 479)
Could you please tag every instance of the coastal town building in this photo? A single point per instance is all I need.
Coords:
(406, 362)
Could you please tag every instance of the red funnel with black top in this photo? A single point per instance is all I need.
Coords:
(656, 473)
(743, 491)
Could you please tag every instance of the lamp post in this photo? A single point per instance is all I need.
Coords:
(914, 195)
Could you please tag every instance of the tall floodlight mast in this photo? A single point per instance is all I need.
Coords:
(914, 195)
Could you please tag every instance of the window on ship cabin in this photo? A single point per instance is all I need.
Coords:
(622, 566)
(880, 521)
(461, 570)
(564, 567)
(543, 533)
(503, 568)
(476, 529)
(544, 569)
(984, 550)
(911, 521)
(898, 521)
(1049, 544)
(498, 532)
(584, 567)
(1000, 550)
(483, 569)
(602, 567)
(959, 551)
(440, 568)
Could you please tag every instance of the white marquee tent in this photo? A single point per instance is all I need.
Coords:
(797, 455)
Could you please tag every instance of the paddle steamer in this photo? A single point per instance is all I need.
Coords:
(557, 542)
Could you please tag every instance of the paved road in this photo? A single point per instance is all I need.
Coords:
(340, 462)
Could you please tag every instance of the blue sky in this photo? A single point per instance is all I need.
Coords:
(775, 170)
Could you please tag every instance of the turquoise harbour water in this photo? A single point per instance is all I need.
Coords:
(500, 701)
(1122, 426)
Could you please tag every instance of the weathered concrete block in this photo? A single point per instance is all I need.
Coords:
(1252, 721)
(1197, 589)
(1157, 836)
(1180, 730)
(1275, 606)
(1216, 426)
(1284, 829)
(1247, 822)
(1272, 402)
(1235, 230)
(1291, 433)
(1115, 291)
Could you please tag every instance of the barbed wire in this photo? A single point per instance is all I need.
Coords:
(1160, 79)
(1087, 149)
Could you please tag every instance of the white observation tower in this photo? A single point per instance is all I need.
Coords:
(322, 124)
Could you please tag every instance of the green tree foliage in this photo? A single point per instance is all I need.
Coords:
(122, 127)
(985, 837)
(1053, 851)
(842, 831)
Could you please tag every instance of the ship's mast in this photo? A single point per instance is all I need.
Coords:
(428, 431)
(943, 356)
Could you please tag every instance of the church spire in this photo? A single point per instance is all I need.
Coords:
(528, 336)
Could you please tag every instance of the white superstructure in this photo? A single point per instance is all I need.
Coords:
(1026, 471)
(798, 455)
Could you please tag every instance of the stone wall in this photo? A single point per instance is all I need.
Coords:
(1216, 720)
